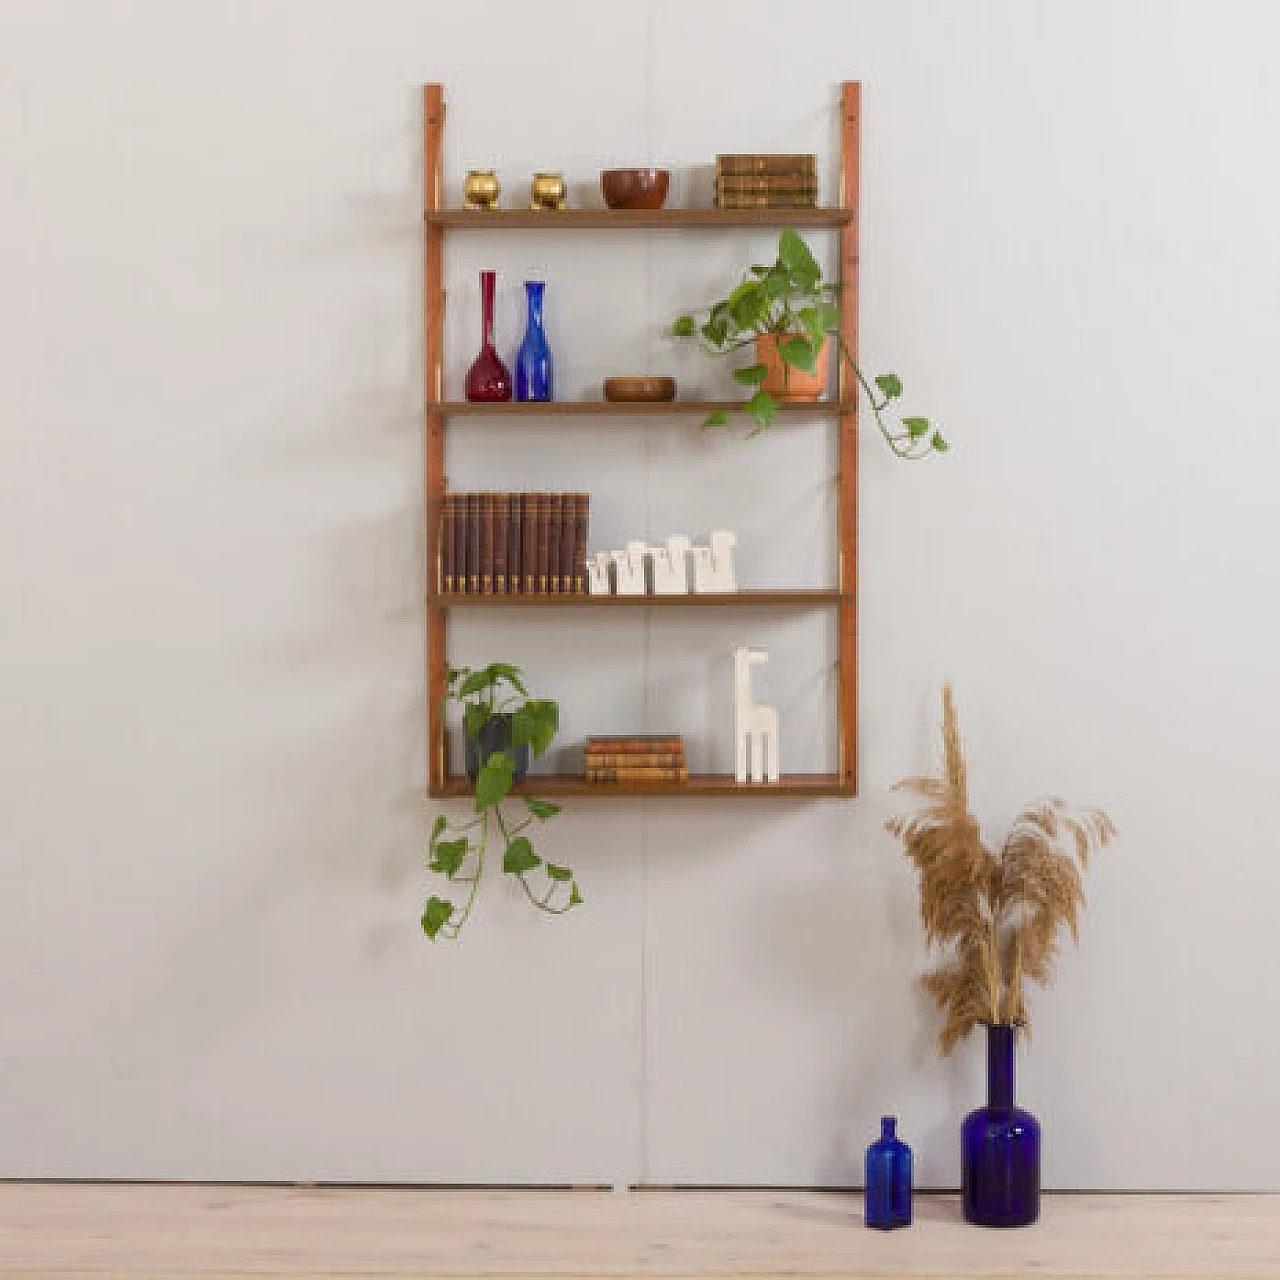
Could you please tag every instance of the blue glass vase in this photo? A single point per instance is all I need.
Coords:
(533, 360)
(1000, 1147)
(888, 1179)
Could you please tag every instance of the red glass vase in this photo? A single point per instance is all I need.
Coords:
(488, 378)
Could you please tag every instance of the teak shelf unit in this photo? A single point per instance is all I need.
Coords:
(843, 219)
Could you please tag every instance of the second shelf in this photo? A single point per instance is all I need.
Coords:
(608, 408)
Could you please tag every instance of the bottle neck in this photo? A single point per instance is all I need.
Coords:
(486, 306)
(1000, 1044)
(533, 293)
(888, 1128)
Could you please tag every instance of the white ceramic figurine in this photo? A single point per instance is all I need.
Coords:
(755, 725)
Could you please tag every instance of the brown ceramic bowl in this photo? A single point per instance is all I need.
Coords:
(634, 188)
(644, 389)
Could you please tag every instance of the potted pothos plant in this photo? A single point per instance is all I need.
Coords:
(503, 725)
(790, 315)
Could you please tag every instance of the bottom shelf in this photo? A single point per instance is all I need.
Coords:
(701, 784)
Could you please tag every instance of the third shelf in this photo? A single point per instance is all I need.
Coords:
(803, 597)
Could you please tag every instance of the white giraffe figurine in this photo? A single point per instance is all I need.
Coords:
(598, 573)
(671, 567)
(713, 565)
(628, 569)
(754, 723)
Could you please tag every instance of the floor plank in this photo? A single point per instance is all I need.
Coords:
(145, 1232)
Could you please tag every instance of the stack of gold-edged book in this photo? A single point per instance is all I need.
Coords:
(766, 181)
(647, 758)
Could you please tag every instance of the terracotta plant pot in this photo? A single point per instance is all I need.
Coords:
(785, 382)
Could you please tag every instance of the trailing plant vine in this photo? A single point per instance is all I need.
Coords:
(458, 851)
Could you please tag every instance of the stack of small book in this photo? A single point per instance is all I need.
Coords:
(641, 759)
(766, 182)
(496, 544)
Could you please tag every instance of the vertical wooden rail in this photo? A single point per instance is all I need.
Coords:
(847, 505)
(433, 424)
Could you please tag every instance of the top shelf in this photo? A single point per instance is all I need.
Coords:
(648, 219)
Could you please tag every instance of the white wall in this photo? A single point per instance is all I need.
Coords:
(210, 577)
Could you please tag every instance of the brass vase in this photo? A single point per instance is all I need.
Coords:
(547, 191)
(481, 189)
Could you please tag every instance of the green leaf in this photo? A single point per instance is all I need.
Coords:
(684, 327)
(716, 330)
(476, 681)
(916, 427)
(761, 407)
(890, 384)
(438, 827)
(716, 419)
(541, 809)
(436, 916)
(939, 443)
(819, 320)
(748, 304)
(558, 873)
(450, 855)
(794, 254)
(758, 270)
(494, 780)
(812, 320)
(800, 353)
(535, 724)
(752, 376)
(505, 671)
(475, 715)
(575, 898)
(777, 283)
(520, 856)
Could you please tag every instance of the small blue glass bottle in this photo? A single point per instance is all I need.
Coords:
(888, 1179)
(533, 360)
(1000, 1147)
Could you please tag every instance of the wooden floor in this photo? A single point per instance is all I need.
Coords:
(142, 1232)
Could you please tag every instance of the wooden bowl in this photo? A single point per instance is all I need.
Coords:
(634, 188)
(639, 389)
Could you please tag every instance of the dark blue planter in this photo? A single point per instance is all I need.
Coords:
(888, 1202)
(1000, 1147)
(495, 735)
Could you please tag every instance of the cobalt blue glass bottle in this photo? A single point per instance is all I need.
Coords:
(1000, 1147)
(533, 360)
(888, 1179)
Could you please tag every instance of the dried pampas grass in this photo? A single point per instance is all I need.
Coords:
(998, 918)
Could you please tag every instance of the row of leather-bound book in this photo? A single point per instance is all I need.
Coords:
(514, 543)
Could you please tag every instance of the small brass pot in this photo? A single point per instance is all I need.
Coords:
(547, 191)
(481, 189)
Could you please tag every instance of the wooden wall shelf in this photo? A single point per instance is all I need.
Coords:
(633, 219)
(843, 218)
(800, 597)
(609, 408)
(547, 786)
